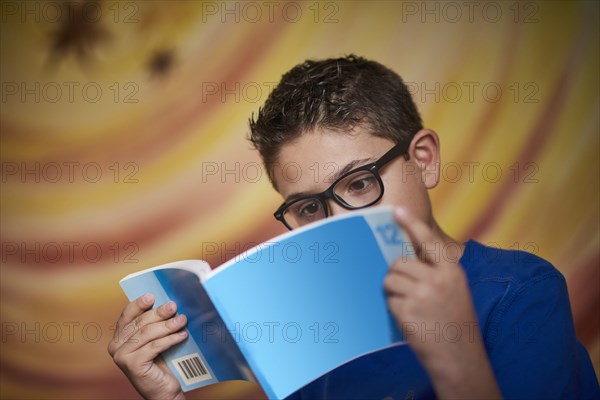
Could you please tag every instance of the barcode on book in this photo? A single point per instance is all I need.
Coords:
(191, 369)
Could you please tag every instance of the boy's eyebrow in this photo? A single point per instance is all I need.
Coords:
(332, 178)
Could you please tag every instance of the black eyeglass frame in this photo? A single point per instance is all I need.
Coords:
(399, 149)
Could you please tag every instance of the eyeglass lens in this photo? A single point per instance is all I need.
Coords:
(357, 190)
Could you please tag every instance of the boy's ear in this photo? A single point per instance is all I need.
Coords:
(425, 151)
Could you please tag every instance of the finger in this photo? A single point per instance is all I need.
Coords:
(153, 349)
(133, 310)
(158, 314)
(154, 331)
(125, 332)
(131, 361)
(395, 305)
(420, 234)
(412, 269)
(397, 284)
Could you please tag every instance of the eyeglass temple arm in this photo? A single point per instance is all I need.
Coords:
(398, 149)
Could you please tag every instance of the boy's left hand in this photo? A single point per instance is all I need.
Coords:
(430, 299)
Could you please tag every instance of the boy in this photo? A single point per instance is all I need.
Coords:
(358, 115)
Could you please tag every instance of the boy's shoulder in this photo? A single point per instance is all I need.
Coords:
(490, 263)
(508, 285)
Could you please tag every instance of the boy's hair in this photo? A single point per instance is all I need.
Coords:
(338, 94)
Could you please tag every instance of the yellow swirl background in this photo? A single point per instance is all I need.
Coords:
(128, 150)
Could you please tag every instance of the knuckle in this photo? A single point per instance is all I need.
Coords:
(123, 318)
(111, 349)
(162, 343)
(387, 282)
(129, 330)
(159, 311)
(129, 311)
(120, 359)
(163, 311)
(171, 324)
(117, 340)
(132, 340)
(144, 330)
(136, 324)
(155, 344)
(423, 292)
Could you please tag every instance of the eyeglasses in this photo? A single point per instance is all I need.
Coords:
(358, 188)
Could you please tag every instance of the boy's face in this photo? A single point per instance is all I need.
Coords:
(312, 162)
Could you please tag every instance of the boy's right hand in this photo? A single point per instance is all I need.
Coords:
(140, 336)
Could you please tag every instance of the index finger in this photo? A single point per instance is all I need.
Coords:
(419, 233)
(134, 309)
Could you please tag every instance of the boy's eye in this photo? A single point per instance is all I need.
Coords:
(309, 209)
(360, 185)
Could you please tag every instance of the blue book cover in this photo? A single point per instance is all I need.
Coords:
(288, 311)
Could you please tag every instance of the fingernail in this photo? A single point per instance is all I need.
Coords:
(147, 299)
(182, 333)
(180, 319)
(170, 306)
(400, 211)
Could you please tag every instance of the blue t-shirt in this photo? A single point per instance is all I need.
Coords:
(525, 319)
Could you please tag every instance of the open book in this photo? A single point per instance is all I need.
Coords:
(287, 311)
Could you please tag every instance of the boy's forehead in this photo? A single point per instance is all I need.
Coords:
(317, 147)
(325, 145)
(311, 161)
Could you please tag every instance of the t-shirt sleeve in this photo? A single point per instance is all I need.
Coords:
(532, 344)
